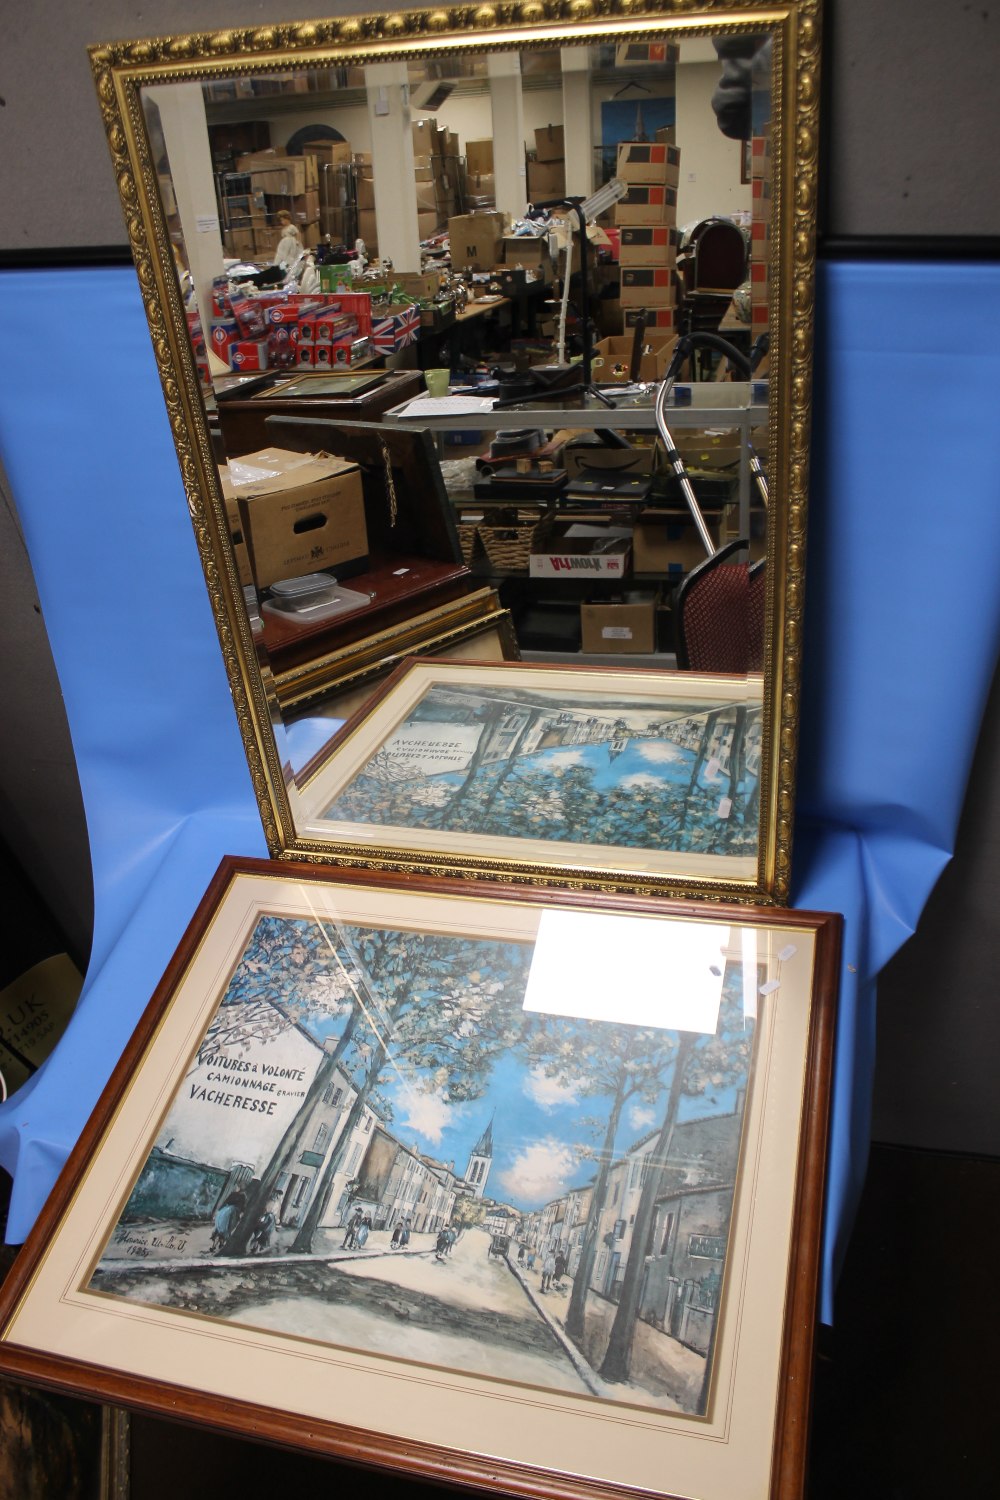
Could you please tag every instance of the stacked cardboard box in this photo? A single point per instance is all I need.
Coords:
(646, 218)
(476, 241)
(547, 172)
(276, 182)
(760, 230)
(480, 183)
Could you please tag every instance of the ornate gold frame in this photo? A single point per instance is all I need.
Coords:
(122, 69)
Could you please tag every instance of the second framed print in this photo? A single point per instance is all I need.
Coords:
(636, 779)
(518, 1190)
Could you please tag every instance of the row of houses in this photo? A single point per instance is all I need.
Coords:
(685, 1248)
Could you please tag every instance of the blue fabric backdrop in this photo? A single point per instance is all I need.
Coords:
(903, 629)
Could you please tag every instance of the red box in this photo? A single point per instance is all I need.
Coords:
(249, 315)
(222, 335)
(281, 346)
(305, 354)
(280, 312)
(248, 355)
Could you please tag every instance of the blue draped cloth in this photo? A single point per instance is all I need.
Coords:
(903, 623)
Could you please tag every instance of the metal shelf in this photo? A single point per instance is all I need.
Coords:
(586, 418)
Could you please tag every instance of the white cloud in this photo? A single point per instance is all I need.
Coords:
(565, 758)
(639, 1116)
(660, 750)
(427, 1114)
(539, 1173)
(549, 1093)
(642, 778)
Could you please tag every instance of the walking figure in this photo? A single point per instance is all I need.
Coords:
(351, 1237)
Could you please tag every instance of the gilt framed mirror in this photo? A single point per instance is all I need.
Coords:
(673, 126)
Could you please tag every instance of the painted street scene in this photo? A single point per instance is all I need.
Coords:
(520, 763)
(378, 1147)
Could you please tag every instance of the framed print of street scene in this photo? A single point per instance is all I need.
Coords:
(513, 1188)
(641, 778)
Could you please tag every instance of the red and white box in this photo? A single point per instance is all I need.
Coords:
(223, 335)
(248, 354)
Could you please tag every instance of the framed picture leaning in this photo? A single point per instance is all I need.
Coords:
(515, 1189)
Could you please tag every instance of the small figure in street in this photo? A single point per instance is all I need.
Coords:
(531, 1260)
(441, 1245)
(351, 1237)
(404, 1238)
(560, 1269)
(548, 1269)
(452, 1237)
(260, 1240)
(225, 1221)
(521, 1252)
(397, 1235)
(363, 1231)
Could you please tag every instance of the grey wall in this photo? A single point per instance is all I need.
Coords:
(911, 115)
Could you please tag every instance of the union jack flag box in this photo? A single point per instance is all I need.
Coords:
(395, 328)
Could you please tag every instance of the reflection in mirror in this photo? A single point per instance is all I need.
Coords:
(432, 302)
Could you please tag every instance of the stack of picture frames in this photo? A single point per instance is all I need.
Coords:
(479, 1135)
(515, 1188)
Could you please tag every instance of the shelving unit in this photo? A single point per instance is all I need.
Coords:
(533, 599)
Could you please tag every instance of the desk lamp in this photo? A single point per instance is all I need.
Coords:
(586, 211)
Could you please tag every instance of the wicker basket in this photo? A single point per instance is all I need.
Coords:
(468, 540)
(509, 547)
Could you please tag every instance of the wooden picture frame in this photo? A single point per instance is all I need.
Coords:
(470, 1029)
(606, 776)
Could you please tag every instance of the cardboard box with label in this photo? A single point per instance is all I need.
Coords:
(298, 513)
(580, 551)
(648, 245)
(643, 161)
(649, 286)
(476, 240)
(580, 457)
(647, 203)
(366, 191)
(424, 132)
(658, 319)
(622, 625)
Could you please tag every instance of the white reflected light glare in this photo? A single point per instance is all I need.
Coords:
(634, 971)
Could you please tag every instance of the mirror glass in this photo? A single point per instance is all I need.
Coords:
(433, 431)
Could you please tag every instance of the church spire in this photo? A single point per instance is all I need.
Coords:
(480, 1161)
(484, 1146)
